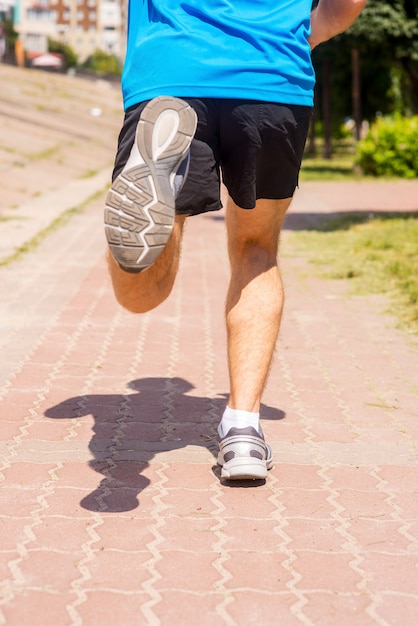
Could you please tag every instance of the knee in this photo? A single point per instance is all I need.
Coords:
(253, 254)
(140, 303)
(138, 293)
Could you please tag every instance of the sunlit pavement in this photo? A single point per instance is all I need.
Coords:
(112, 509)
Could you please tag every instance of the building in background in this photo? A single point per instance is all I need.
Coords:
(110, 26)
(6, 9)
(35, 21)
(84, 25)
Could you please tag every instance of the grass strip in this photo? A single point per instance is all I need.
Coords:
(378, 254)
(37, 239)
(338, 168)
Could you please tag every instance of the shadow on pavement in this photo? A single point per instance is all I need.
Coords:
(340, 220)
(130, 429)
(332, 221)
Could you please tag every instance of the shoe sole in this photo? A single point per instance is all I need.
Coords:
(245, 469)
(140, 206)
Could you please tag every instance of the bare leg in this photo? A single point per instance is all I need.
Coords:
(144, 291)
(255, 298)
(142, 229)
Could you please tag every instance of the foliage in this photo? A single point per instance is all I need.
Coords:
(10, 33)
(376, 82)
(389, 29)
(390, 148)
(386, 35)
(104, 63)
(70, 57)
(391, 24)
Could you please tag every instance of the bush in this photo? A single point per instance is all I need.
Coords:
(70, 57)
(390, 148)
(104, 63)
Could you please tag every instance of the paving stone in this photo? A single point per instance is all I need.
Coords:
(104, 607)
(49, 609)
(263, 608)
(327, 608)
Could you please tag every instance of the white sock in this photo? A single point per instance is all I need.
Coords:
(235, 418)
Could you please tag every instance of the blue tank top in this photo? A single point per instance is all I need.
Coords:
(251, 49)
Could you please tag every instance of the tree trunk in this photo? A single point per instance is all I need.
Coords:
(326, 107)
(356, 95)
(311, 148)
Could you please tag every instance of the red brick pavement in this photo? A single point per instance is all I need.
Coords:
(112, 511)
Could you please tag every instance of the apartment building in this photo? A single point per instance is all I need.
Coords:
(84, 25)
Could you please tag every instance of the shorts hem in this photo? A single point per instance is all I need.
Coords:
(200, 211)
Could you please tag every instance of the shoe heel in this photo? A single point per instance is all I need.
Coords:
(244, 469)
(165, 130)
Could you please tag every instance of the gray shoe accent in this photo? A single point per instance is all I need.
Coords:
(243, 454)
(140, 206)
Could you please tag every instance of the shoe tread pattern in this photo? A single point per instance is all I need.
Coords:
(140, 206)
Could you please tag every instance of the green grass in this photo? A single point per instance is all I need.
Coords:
(377, 254)
(339, 167)
(90, 174)
(44, 154)
(10, 218)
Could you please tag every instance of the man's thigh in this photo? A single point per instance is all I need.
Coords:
(257, 228)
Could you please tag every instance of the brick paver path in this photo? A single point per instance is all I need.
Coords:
(112, 511)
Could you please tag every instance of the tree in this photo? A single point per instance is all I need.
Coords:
(104, 63)
(70, 57)
(388, 29)
(373, 65)
(11, 36)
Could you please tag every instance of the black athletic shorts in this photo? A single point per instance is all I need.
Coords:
(254, 147)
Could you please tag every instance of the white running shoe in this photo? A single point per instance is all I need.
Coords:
(140, 206)
(243, 454)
